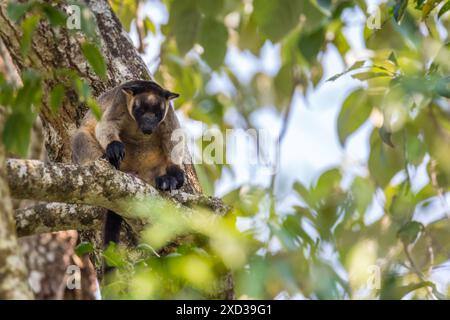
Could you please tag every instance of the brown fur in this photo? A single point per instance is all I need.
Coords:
(146, 156)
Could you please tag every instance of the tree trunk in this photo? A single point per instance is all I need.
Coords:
(53, 49)
(47, 256)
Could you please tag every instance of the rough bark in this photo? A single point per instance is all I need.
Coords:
(54, 216)
(49, 256)
(54, 49)
(46, 254)
(96, 185)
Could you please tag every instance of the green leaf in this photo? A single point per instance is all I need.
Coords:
(440, 231)
(304, 193)
(29, 94)
(88, 23)
(410, 232)
(54, 15)
(249, 36)
(16, 10)
(310, 44)
(356, 65)
(6, 93)
(210, 8)
(284, 85)
(399, 9)
(213, 38)
(17, 133)
(113, 256)
(149, 26)
(442, 87)
(245, 201)
(415, 148)
(341, 43)
(402, 204)
(126, 11)
(284, 236)
(24, 107)
(384, 161)
(444, 9)
(184, 21)
(419, 4)
(293, 227)
(56, 97)
(393, 58)
(276, 18)
(326, 4)
(95, 58)
(83, 248)
(363, 190)
(386, 136)
(362, 76)
(82, 88)
(354, 112)
(428, 7)
(28, 27)
(398, 292)
(327, 185)
(95, 108)
(313, 17)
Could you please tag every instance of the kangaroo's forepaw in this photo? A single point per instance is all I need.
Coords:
(173, 179)
(115, 153)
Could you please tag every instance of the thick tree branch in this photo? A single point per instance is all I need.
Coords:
(55, 216)
(96, 185)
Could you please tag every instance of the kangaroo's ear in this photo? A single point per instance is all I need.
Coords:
(128, 92)
(171, 95)
(129, 96)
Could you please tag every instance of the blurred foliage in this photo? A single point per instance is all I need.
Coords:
(349, 235)
(23, 102)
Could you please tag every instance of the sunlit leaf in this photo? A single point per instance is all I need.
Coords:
(399, 9)
(56, 97)
(386, 136)
(355, 66)
(310, 44)
(16, 133)
(29, 24)
(213, 38)
(384, 161)
(16, 10)
(354, 112)
(428, 7)
(54, 15)
(125, 10)
(410, 232)
(363, 191)
(444, 9)
(83, 248)
(276, 18)
(95, 58)
(113, 256)
(149, 26)
(210, 8)
(185, 21)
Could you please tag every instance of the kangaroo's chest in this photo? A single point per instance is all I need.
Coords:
(144, 160)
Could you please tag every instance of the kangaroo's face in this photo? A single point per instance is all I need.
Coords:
(148, 106)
